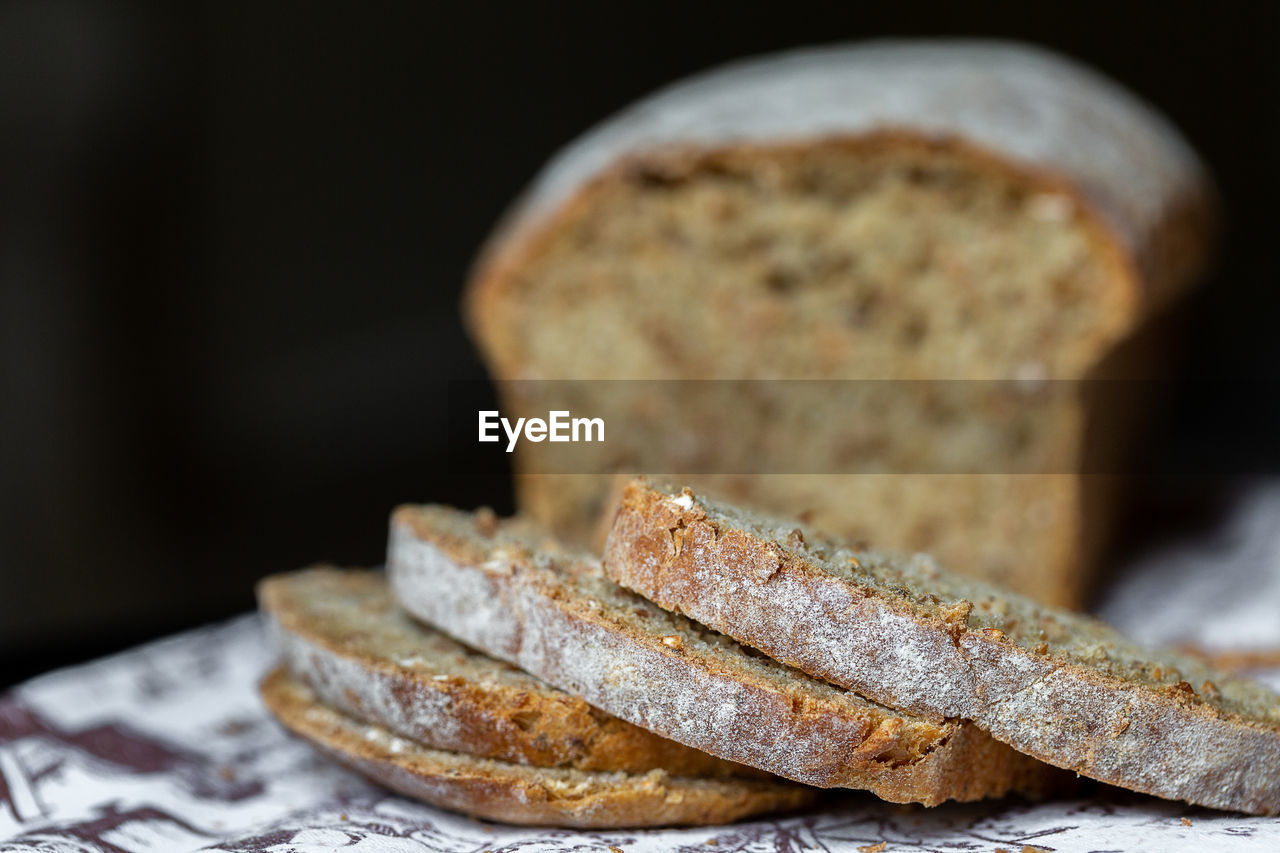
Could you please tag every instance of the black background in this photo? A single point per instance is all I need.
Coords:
(232, 238)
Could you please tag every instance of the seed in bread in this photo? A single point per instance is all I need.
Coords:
(509, 591)
(513, 793)
(1053, 684)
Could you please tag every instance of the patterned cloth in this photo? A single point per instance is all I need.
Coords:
(167, 748)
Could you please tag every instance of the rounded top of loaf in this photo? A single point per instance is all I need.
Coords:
(1026, 104)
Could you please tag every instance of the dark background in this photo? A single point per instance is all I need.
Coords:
(232, 238)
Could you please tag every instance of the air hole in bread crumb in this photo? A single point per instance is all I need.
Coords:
(914, 331)
(780, 280)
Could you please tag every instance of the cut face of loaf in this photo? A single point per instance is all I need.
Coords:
(895, 211)
(891, 256)
(513, 793)
(507, 590)
(341, 634)
(1053, 684)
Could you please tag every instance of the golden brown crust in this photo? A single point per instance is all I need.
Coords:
(644, 666)
(511, 793)
(1176, 741)
(342, 636)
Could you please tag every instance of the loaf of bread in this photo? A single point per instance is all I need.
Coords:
(507, 590)
(1053, 684)
(918, 212)
(513, 793)
(341, 634)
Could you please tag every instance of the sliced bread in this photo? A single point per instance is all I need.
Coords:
(1053, 684)
(341, 634)
(513, 793)
(508, 590)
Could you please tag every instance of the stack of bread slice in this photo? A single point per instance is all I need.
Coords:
(432, 719)
(717, 664)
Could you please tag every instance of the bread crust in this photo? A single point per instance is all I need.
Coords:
(493, 596)
(512, 793)
(335, 629)
(1163, 740)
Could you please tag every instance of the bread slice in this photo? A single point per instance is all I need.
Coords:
(504, 588)
(341, 634)
(513, 793)
(1060, 686)
(903, 211)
